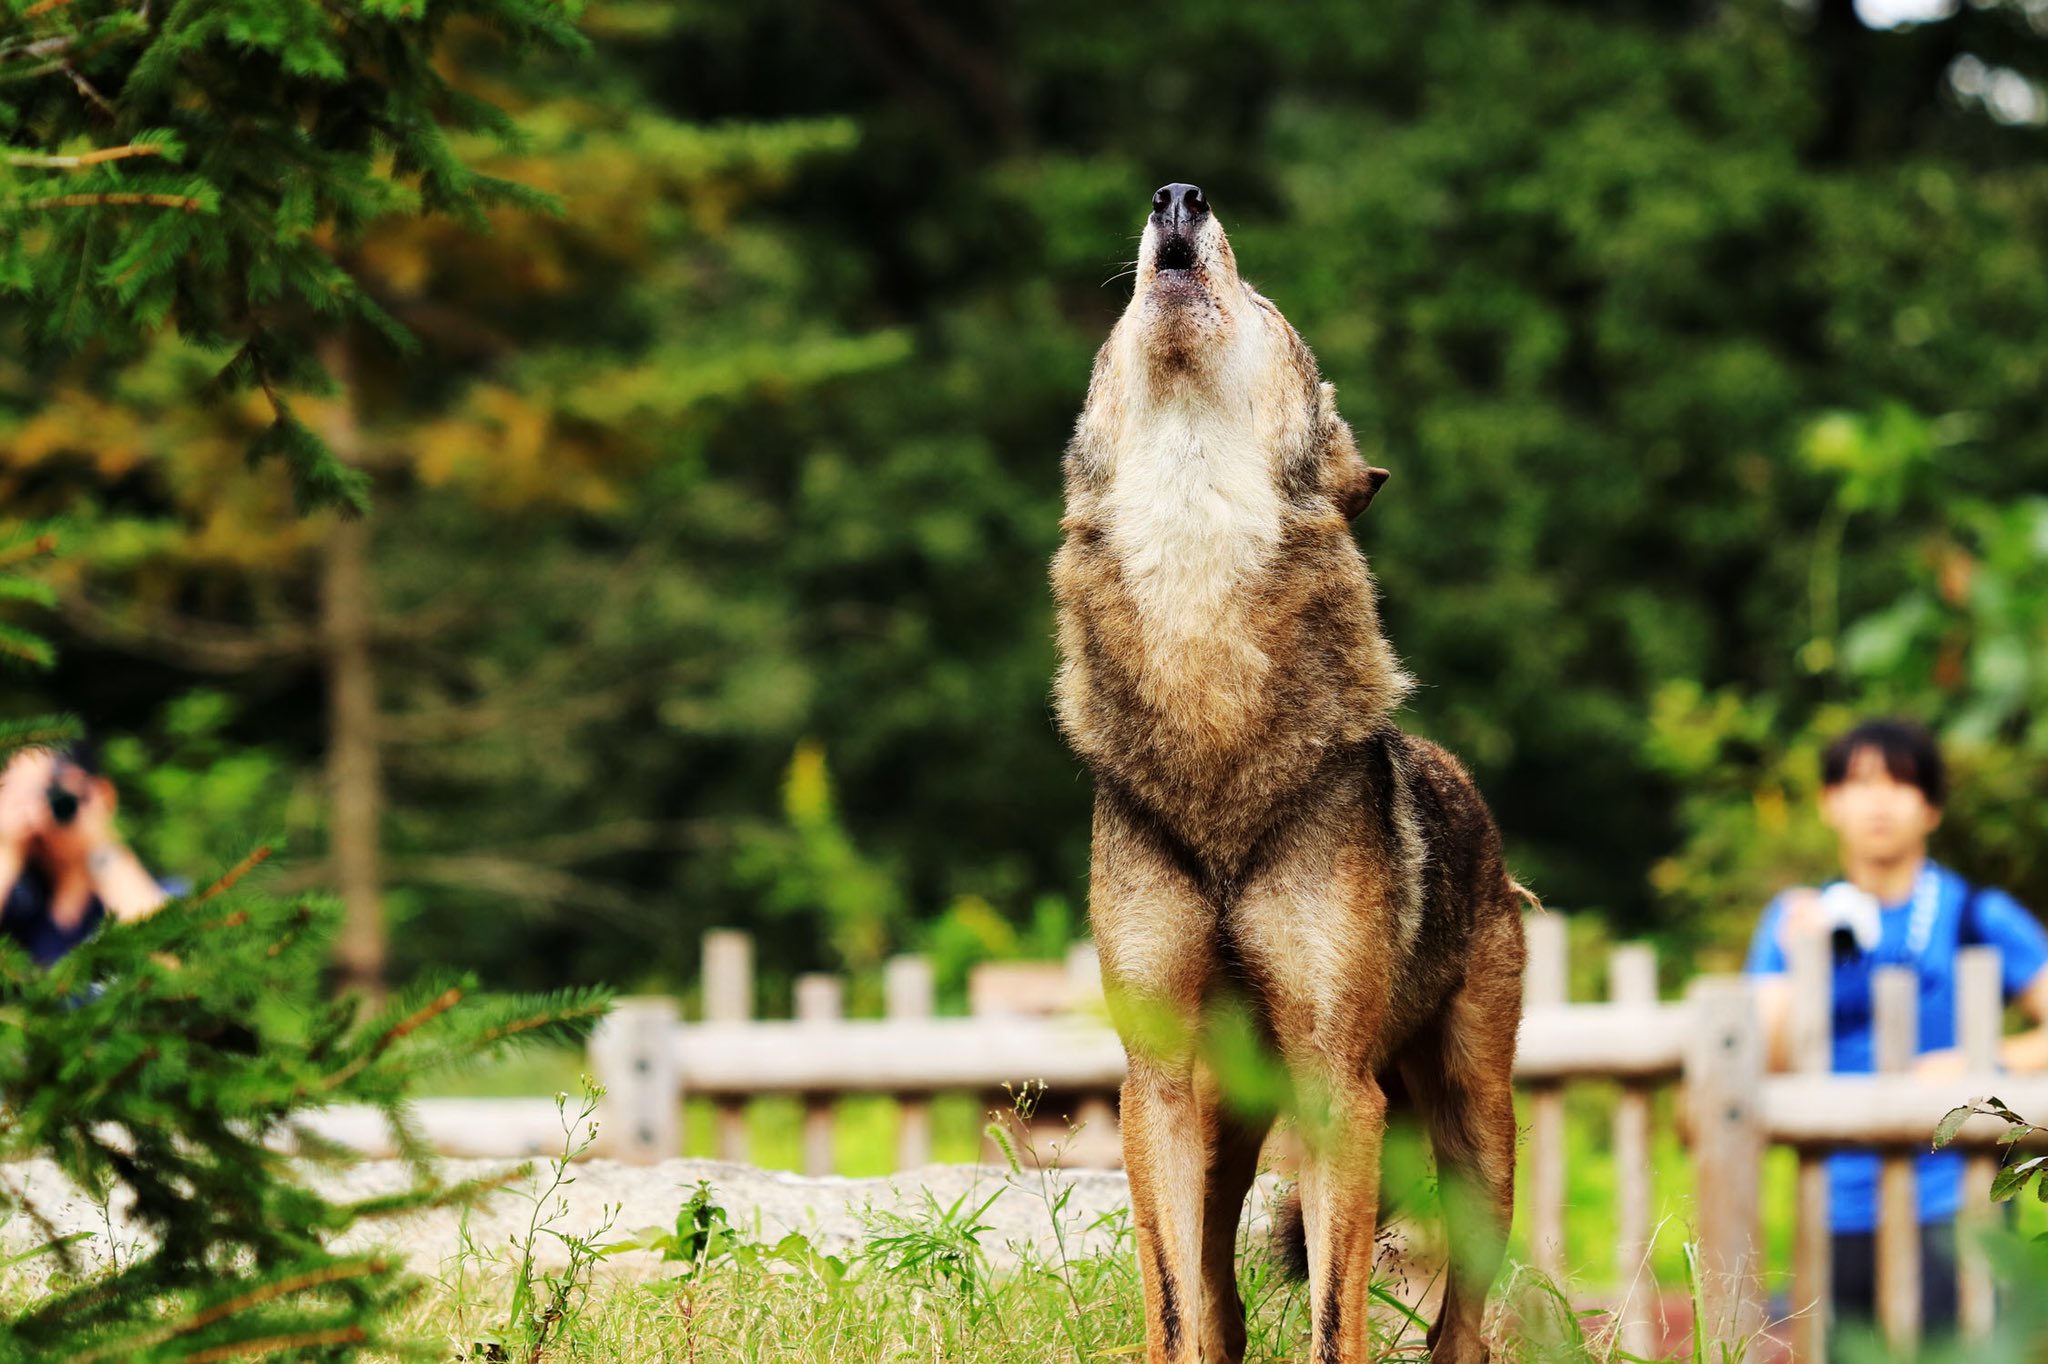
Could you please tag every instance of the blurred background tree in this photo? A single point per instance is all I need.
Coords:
(1703, 340)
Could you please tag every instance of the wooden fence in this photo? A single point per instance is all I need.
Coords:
(1036, 1024)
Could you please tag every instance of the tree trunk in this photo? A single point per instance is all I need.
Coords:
(354, 776)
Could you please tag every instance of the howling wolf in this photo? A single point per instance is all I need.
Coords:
(1265, 838)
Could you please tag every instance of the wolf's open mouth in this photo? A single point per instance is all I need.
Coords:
(1176, 252)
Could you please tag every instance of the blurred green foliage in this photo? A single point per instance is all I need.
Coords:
(1963, 645)
(1703, 341)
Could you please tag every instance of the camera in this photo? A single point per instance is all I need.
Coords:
(64, 803)
(1852, 917)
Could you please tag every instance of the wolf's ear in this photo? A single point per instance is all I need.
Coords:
(1360, 489)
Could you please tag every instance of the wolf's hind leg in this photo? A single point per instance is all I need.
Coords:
(1460, 1074)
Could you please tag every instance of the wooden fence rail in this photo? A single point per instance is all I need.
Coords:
(1044, 1024)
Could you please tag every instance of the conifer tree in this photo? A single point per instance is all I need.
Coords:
(578, 375)
(167, 1065)
(193, 164)
(166, 1059)
(21, 548)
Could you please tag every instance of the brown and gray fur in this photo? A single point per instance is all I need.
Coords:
(1263, 832)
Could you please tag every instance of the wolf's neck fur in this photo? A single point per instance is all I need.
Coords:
(1218, 634)
(1191, 508)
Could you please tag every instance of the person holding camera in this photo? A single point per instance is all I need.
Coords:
(63, 869)
(1882, 791)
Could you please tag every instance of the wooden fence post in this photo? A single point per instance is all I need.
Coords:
(1811, 957)
(1724, 1068)
(1546, 981)
(908, 993)
(1632, 979)
(1980, 1001)
(729, 998)
(1895, 1010)
(634, 1056)
(820, 999)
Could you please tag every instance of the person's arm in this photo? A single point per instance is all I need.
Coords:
(1773, 996)
(2000, 922)
(2029, 1050)
(123, 884)
(1766, 968)
(118, 877)
(21, 808)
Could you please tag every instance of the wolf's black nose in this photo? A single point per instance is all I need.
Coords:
(1178, 205)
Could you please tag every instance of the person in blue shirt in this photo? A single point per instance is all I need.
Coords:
(1882, 791)
(63, 868)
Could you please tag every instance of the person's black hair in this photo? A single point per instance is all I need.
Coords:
(1910, 755)
(82, 753)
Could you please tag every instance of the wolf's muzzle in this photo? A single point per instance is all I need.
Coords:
(1178, 206)
(1177, 211)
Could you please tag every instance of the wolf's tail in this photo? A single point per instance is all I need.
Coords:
(1290, 1239)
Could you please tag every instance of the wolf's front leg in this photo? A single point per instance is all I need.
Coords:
(1165, 1156)
(1340, 1196)
(1155, 931)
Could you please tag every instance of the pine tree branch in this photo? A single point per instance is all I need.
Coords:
(305, 1340)
(520, 1026)
(43, 544)
(298, 929)
(466, 1193)
(526, 706)
(93, 158)
(85, 87)
(38, 47)
(517, 877)
(228, 1307)
(187, 640)
(120, 200)
(119, 1077)
(434, 1008)
(42, 732)
(234, 874)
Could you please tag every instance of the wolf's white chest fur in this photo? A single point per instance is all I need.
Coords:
(1193, 515)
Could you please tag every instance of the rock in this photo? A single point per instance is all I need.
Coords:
(612, 1201)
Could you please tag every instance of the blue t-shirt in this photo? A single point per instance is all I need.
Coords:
(26, 918)
(1989, 918)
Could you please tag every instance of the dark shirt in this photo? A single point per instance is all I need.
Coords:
(26, 918)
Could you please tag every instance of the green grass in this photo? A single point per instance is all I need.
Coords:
(920, 1285)
(920, 1292)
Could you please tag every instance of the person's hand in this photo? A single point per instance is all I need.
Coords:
(24, 802)
(93, 826)
(1802, 917)
(90, 831)
(1941, 1065)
